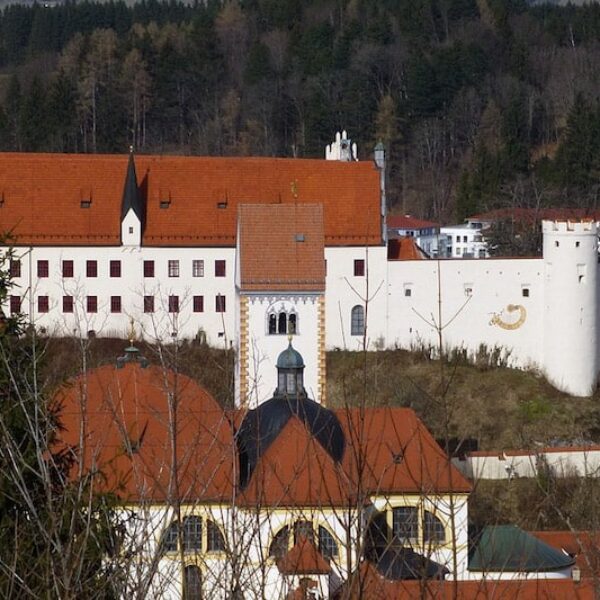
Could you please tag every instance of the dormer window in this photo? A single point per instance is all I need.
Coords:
(165, 203)
(85, 203)
(221, 204)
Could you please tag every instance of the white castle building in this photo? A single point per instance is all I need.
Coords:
(242, 251)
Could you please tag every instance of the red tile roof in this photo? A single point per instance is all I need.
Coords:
(42, 193)
(390, 449)
(281, 247)
(408, 222)
(296, 471)
(369, 583)
(583, 545)
(124, 418)
(126, 415)
(303, 559)
(404, 248)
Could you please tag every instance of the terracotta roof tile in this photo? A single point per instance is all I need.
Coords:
(296, 471)
(124, 418)
(42, 195)
(397, 453)
(281, 247)
(303, 559)
(370, 584)
(583, 545)
(404, 248)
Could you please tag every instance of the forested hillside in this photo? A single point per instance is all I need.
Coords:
(481, 103)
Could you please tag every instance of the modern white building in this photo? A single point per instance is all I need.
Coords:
(99, 241)
(465, 241)
(426, 234)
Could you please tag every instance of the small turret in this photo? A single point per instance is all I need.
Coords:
(341, 149)
(290, 374)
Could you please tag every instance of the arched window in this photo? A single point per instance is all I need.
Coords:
(282, 323)
(215, 542)
(192, 583)
(272, 323)
(169, 539)
(405, 525)
(433, 529)
(292, 323)
(327, 545)
(279, 544)
(303, 529)
(192, 538)
(192, 534)
(357, 323)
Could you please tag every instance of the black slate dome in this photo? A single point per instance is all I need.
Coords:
(262, 425)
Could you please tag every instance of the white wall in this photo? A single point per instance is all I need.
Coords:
(265, 348)
(570, 329)
(132, 286)
(475, 298)
(345, 290)
(564, 462)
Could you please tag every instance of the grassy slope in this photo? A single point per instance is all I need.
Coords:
(501, 408)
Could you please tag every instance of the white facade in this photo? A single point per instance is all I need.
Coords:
(532, 313)
(182, 273)
(465, 241)
(563, 462)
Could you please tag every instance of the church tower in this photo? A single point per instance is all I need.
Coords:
(280, 286)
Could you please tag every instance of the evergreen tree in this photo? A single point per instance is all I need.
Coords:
(580, 146)
(35, 128)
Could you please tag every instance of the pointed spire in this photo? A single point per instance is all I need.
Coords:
(131, 196)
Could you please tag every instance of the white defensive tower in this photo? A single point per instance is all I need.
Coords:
(570, 305)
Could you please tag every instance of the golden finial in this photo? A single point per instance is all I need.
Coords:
(131, 334)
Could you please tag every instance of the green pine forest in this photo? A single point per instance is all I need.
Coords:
(481, 103)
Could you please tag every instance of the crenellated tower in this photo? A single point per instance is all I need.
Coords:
(570, 330)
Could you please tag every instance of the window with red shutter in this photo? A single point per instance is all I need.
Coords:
(148, 304)
(43, 304)
(173, 304)
(92, 304)
(67, 303)
(67, 268)
(42, 268)
(115, 304)
(220, 268)
(91, 268)
(115, 268)
(198, 303)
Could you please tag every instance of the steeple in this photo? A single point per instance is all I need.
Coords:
(132, 208)
(131, 197)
